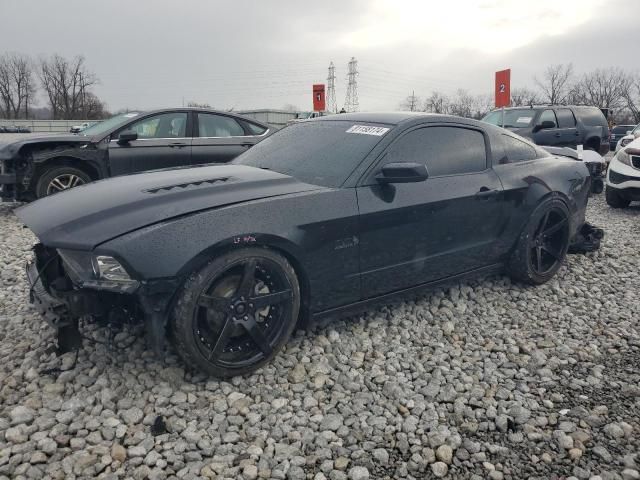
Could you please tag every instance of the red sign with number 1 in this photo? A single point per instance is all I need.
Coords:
(503, 88)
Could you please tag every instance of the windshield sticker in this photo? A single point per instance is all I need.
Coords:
(130, 115)
(367, 130)
(524, 120)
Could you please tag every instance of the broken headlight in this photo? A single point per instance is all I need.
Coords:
(101, 272)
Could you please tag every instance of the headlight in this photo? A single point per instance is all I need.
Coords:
(97, 271)
(623, 157)
(626, 141)
(108, 268)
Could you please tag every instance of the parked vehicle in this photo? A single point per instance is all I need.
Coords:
(127, 143)
(623, 176)
(593, 160)
(628, 138)
(557, 125)
(301, 116)
(617, 133)
(80, 128)
(321, 218)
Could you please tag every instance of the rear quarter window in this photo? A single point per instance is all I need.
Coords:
(510, 149)
(592, 117)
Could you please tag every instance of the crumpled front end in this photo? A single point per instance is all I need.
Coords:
(67, 286)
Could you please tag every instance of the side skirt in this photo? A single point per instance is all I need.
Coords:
(326, 316)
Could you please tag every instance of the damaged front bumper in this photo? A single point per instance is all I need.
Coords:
(587, 239)
(62, 301)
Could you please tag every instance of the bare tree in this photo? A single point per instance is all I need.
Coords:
(631, 96)
(603, 88)
(67, 84)
(17, 85)
(556, 83)
(437, 103)
(411, 103)
(521, 97)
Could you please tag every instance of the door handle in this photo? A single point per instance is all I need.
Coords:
(486, 194)
(177, 145)
(557, 134)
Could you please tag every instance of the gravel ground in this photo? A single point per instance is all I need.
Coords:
(486, 379)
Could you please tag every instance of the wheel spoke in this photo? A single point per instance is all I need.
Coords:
(222, 340)
(539, 259)
(269, 299)
(553, 253)
(214, 303)
(543, 223)
(248, 279)
(257, 335)
(57, 184)
(554, 228)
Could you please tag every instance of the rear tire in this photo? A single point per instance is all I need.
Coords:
(235, 314)
(614, 199)
(57, 179)
(542, 245)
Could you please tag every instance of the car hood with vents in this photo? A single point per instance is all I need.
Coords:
(88, 215)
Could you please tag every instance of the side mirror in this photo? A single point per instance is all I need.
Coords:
(127, 136)
(402, 173)
(547, 124)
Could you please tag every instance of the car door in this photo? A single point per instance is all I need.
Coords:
(220, 138)
(164, 141)
(413, 233)
(548, 136)
(569, 134)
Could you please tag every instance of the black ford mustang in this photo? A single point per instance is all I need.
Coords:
(320, 218)
(37, 166)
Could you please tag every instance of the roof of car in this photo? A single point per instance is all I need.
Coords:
(548, 105)
(390, 118)
(199, 109)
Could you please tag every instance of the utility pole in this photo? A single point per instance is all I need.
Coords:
(351, 103)
(331, 89)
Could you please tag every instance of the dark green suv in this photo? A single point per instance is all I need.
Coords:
(556, 125)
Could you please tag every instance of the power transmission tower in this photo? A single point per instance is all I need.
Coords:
(331, 89)
(351, 103)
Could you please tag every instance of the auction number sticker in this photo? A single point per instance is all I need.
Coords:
(524, 119)
(368, 130)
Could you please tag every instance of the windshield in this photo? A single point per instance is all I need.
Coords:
(513, 118)
(318, 152)
(622, 129)
(107, 125)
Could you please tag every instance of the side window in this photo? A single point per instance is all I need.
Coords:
(165, 125)
(517, 150)
(444, 150)
(592, 117)
(565, 118)
(548, 116)
(253, 128)
(210, 125)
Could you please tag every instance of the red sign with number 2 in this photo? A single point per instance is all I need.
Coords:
(503, 88)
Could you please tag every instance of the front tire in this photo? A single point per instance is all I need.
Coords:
(58, 179)
(235, 314)
(614, 199)
(542, 245)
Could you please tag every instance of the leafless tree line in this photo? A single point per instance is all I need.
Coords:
(612, 88)
(66, 85)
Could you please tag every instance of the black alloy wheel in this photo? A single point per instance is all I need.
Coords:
(542, 246)
(548, 245)
(237, 312)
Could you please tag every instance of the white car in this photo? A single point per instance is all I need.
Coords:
(623, 176)
(628, 138)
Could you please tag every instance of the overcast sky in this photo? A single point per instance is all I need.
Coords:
(265, 54)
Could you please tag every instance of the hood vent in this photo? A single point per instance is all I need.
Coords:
(190, 185)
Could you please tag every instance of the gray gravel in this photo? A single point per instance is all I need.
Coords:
(485, 379)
